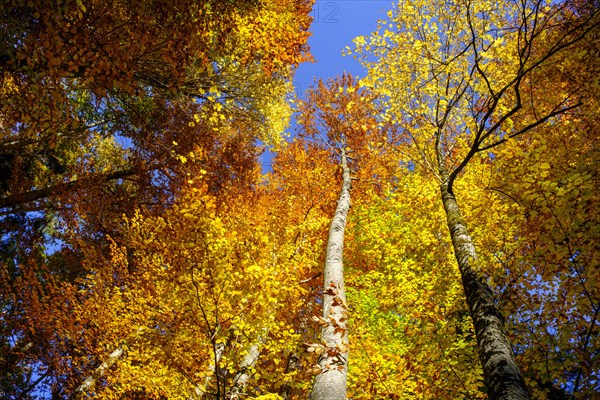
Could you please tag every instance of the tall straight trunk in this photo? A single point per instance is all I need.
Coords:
(502, 376)
(330, 383)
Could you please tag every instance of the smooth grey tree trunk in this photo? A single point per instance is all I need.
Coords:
(330, 383)
(501, 374)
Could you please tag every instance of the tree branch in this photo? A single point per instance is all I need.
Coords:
(54, 190)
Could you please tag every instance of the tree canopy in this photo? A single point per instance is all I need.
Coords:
(427, 231)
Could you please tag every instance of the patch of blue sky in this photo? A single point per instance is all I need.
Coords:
(335, 24)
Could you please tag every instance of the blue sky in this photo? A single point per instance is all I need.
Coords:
(335, 24)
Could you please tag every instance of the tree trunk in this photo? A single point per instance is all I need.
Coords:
(330, 383)
(241, 378)
(201, 390)
(59, 188)
(501, 374)
(113, 357)
(99, 371)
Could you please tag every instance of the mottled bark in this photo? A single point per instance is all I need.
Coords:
(330, 383)
(501, 374)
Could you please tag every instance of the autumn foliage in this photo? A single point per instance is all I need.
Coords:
(147, 254)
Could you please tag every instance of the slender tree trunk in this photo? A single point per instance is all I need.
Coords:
(330, 383)
(201, 390)
(502, 376)
(291, 365)
(113, 357)
(99, 371)
(241, 378)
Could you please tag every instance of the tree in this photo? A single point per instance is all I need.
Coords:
(182, 296)
(155, 96)
(145, 255)
(459, 77)
(342, 119)
(204, 62)
(330, 382)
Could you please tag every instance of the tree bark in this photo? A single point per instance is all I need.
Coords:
(201, 390)
(502, 377)
(330, 383)
(54, 190)
(100, 371)
(241, 378)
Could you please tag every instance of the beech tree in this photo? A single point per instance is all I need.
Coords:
(330, 382)
(342, 118)
(112, 107)
(131, 64)
(463, 78)
(145, 254)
